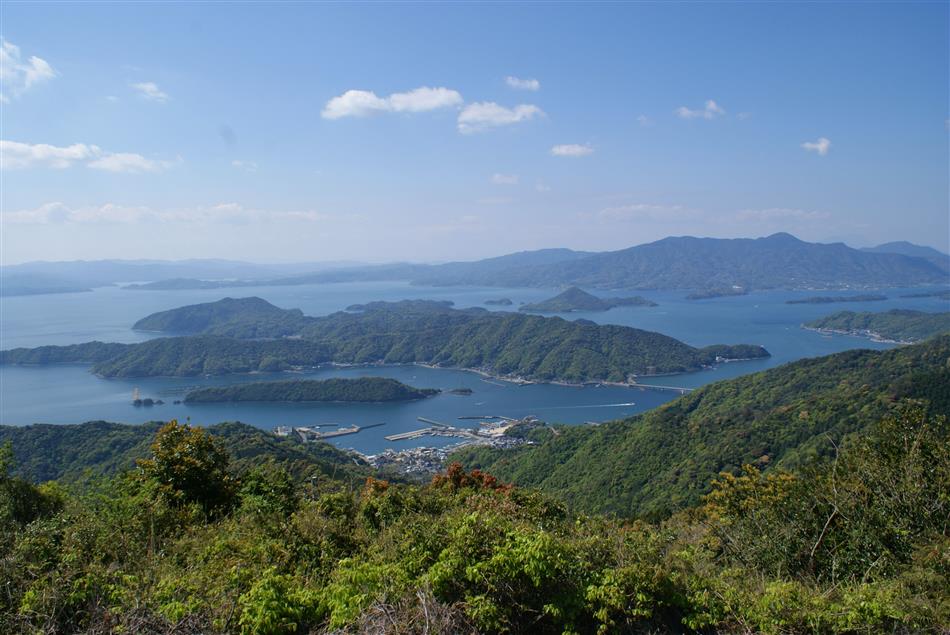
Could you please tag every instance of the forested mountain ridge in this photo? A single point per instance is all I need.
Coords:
(683, 262)
(500, 343)
(776, 261)
(77, 452)
(664, 459)
(910, 249)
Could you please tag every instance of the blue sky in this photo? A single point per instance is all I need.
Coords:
(228, 130)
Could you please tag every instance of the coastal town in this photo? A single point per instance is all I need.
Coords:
(488, 430)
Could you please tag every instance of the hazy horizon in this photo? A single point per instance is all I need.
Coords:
(359, 263)
(433, 133)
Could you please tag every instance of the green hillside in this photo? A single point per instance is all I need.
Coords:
(784, 417)
(901, 325)
(72, 453)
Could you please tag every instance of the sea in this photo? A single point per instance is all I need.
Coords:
(67, 393)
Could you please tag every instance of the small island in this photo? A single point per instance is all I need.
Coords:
(576, 299)
(359, 390)
(499, 302)
(832, 299)
(177, 284)
(943, 295)
(718, 292)
(901, 326)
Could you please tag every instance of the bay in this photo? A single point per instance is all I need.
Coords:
(70, 394)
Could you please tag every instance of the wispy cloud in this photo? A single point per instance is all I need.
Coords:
(780, 213)
(572, 150)
(821, 146)
(710, 110)
(645, 121)
(247, 166)
(645, 211)
(485, 115)
(18, 75)
(523, 84)
(504, 179)
(542, 187)
(361, 103)
(130, 163)
(226, 213)
(150, 91)
(16, 155)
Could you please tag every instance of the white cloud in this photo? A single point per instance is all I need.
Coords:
(361, 103)
(821, 146)
(485, 115)
(542, 187)
(247, 166)
(710, 110)
(742, 116)
(129, 162)
(646, 211)
(645, 121)
(523, 84)
(150, 91)
(227, 213)
(18, 76)
(572, 150)
(504, 179)
(780, 213)
(14, 154)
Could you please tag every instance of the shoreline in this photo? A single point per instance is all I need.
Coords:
(868, 335)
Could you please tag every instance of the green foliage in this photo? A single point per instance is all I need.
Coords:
(664, 459)
(190, 466)
(903, 325)
(77, 453)
(466, 554)
(361, 389)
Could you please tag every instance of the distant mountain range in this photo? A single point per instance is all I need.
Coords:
(777, 261)
(910, 249)
(685, 262)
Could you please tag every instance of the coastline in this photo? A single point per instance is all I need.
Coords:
(868, 335)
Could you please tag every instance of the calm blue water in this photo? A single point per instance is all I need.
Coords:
(70, 394)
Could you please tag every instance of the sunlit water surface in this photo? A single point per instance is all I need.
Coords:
(70, 394)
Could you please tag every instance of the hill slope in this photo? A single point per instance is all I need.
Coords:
(72, 453)
(901, 325)
(665, 458)
(780, 260)
(910, 249)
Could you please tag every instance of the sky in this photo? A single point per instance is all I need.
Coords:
(430, 132)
